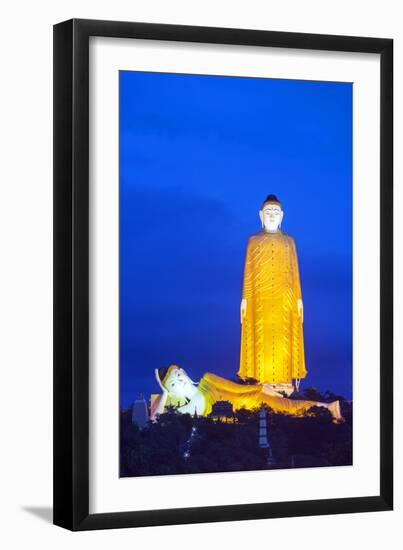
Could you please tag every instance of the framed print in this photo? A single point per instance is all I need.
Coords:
(223, 267)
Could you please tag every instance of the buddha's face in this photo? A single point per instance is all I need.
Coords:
(271, 216)
(178, 384)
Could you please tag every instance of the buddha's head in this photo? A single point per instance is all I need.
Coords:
(271, 214)
(176, 382)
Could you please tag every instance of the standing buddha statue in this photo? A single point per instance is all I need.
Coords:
(272, 343)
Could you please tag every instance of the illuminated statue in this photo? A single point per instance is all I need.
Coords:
(272, 342)
(188, 397)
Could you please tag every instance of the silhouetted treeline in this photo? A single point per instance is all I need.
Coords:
(179, 444)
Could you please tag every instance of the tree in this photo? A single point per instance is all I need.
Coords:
(248, 381)
(312, 394)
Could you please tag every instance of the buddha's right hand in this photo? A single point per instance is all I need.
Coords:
(243, 309)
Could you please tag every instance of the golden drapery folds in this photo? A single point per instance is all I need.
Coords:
(214, 388)
(272, 343)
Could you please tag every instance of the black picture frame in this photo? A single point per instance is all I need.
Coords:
(71, 274)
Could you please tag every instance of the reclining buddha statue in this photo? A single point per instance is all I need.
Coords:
(189, 397)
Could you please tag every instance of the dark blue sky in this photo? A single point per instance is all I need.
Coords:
(198, 154)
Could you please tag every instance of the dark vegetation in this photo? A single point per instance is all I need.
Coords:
(181, 444)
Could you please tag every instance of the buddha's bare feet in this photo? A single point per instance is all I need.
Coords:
(334, 409)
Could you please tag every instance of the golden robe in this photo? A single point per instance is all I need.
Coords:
(214, 388)
(272, 343)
